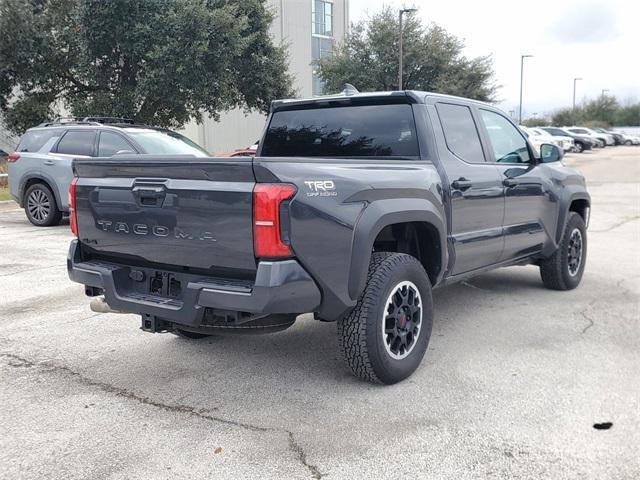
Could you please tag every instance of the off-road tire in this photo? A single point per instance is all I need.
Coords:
(554, 270)
(360, 335)
(40, 194)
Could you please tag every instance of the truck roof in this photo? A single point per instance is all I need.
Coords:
(396, 96)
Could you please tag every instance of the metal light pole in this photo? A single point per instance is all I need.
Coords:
(522, 57)
(402, 12)
(574, 92)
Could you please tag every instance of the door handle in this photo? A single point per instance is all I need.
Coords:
(48, 162)
(462, 184)
(510, 182)
(150, 196)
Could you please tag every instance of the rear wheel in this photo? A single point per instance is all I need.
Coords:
(564, 269)
(40, 206)
(386, 335)
(627, 142)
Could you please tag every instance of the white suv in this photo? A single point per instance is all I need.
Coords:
(606, 138)
(566, 143)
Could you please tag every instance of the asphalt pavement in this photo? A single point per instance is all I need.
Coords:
(513, 382)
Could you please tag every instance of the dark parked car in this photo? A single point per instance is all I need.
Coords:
(40, 169)
(618, 138)
(582, 142)
(354, 208)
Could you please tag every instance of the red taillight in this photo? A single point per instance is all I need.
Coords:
(267, 198)
(73, 217)
(13, 157)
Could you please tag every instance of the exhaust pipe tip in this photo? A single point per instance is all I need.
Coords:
(100, 305)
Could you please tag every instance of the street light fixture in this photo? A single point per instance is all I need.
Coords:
(522, 57)
(402, 12)
(604, 90)
(574, 92)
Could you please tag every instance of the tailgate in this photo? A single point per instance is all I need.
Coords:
(180, 211)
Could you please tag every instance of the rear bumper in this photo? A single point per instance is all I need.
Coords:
(281, 287)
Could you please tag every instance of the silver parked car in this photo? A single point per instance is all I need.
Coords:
(40, 168)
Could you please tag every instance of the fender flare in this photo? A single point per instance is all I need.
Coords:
(45, 179)
(564, 212)
(380, 214)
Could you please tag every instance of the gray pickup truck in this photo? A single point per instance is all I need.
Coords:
(354, 208)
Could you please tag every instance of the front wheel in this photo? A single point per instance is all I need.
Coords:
(386, 335)
(564, 269)
(579, 147)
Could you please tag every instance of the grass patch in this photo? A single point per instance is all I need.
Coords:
(4, 194)
(4, 189)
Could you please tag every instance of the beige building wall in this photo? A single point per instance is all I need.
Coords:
(292, 26)
(8, 142)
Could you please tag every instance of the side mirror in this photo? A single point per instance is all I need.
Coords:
(550, 153)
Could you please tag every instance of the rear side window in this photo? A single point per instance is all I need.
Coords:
(460, 132)
(111, 143)
(354, 131)
(34, 140)
(77, 142)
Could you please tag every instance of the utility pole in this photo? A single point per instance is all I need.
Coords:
(574, 92)
(522, 57)
(402, 12)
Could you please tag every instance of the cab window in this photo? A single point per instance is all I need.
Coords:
(460, 132)
(507, 143)
(361, 131)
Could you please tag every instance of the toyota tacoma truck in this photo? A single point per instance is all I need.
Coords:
(354, 208)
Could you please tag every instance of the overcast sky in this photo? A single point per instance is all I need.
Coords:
(596, 40)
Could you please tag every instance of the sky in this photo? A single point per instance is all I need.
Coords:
(598, 41)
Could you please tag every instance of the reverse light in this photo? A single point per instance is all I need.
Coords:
(13, 157)
(73, 216)
(267, 198)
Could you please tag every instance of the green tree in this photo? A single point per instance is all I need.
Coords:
(433, 60)
(566, 116)
(628, 115)
(602, 109)
(535, 122)
(161, 62)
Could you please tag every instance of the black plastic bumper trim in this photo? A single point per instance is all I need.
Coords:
(281, 287)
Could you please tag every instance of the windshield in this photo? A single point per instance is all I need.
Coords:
(164, 142)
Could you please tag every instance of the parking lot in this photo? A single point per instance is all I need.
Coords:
(515, 377)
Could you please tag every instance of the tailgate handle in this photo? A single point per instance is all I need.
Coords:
(150, 196)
